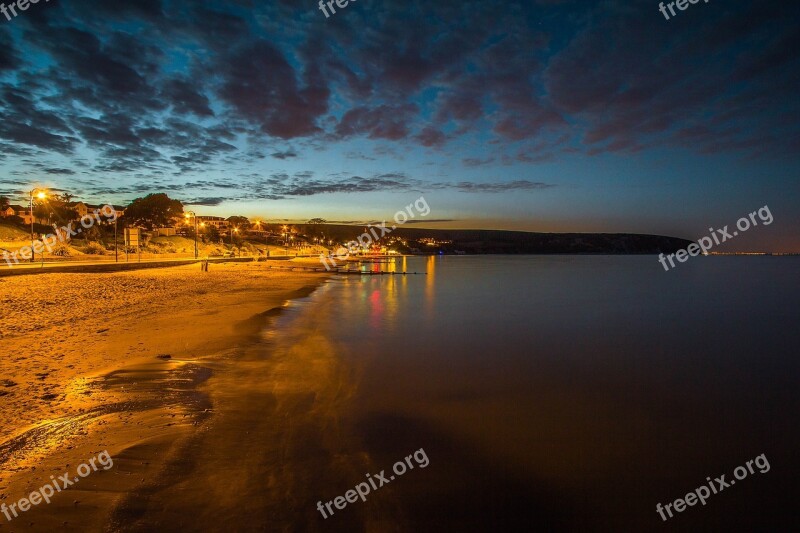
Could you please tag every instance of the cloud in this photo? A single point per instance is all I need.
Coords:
(60, 171)
(381, 122)
(431, 137)
(180, 89)
(262, 88)
(476, 162)
(208, 202)
(518, 185)
(285, 154)
(430, 220)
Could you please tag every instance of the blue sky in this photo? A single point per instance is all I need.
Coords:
(548, 115)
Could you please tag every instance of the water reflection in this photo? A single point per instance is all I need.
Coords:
(583, 390)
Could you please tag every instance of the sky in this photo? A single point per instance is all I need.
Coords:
(544, 115)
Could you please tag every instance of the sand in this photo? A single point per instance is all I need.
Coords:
(95, 362)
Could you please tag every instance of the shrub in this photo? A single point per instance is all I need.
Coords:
(62, 250)
(95, 248)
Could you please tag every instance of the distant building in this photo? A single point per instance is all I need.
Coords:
(84, 209)
(9, 211)
(164, 232)
(81, 208)
(257, 232)
(23, 212)
(218, 222)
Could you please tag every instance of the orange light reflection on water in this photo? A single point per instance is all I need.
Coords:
(430, 280)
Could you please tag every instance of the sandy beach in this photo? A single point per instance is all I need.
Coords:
(116, 362)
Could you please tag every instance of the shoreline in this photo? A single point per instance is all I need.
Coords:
(80, 377)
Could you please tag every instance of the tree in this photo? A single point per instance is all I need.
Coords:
(317, 221)
(4, 203)
(243, 223)
(210, 234)
(153, 211)
(56, 209)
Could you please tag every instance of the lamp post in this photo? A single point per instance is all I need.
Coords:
(258, 226)
(116, 241)
(194, 216)
(40, 194)
(233, 230)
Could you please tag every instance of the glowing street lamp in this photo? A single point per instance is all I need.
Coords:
(258, 226)
(41, 195)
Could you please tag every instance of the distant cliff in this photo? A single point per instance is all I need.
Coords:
(520, 242)
(516, 242)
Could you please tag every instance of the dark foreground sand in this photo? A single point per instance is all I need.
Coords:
(122, 362)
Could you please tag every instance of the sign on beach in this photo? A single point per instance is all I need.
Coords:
(132, 236)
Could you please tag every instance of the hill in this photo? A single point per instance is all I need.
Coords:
(514, 242)
(10, 233)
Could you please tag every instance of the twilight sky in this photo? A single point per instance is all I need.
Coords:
(544, 115)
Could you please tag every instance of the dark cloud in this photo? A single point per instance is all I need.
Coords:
(59, 171)
(431, 137)
(518, 185)
(164, 88)
(208, 202)
(262, 87)
(356, 155)
(287, 154)
(475, 162)
(381, 122)
(430, 220)
(279, 186)
(186, 99)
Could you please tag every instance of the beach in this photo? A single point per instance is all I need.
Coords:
(115, 362)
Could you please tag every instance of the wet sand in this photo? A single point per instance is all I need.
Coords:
(279, 440)
(126, 363)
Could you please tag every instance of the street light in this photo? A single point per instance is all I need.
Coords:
(233, 230)
(41, 195)
(116, 241)
(194, 216)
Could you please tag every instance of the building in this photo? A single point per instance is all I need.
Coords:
(81, 208)
(84, 209)
(218, 222)
(164, 232)
(9, 211)
(22, 212)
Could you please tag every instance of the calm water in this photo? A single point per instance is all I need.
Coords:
(545, 394)
(553, 393)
